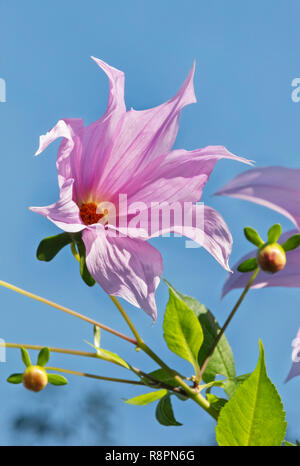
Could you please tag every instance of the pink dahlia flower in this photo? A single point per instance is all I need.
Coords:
(277, 188)
(129, 153)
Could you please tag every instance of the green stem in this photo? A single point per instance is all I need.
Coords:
(196, 397)
(230, 317)
(93, 376)
(67, 311)
(127, 319)
(64, 351)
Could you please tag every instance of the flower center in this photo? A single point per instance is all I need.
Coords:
(88, 213)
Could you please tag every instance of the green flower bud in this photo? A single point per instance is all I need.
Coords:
(35, 378)
(271, 258)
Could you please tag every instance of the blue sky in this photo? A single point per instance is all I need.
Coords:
(247, 57)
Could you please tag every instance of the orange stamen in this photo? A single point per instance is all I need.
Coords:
(88, 213)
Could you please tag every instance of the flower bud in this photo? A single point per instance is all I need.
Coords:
(271, 258)
(35, 378)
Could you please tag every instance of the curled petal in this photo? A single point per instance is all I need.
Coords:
(125, 267)
(277, 188)
(64, 213)
(287, 277)
(69, 130)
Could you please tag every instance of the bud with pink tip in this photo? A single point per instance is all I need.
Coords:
(271, 258)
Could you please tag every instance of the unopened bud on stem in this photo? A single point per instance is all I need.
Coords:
(271, 258)
(35, 378)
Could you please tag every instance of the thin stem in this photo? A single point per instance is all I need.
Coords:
(74, 252)
(93, 376)
(64, 351)
(197, 397)
(127, 319)
(231, 315)
(67, 311)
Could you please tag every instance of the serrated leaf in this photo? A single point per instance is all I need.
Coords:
(143, 400)
(231, 385)
(222, 361)
(253, 236)
(292, 243)
(25, 357)
(248, 265)
(49, 247)
(56, 379)
(164, 412)
(182, 330)
(274, 233)
(43, 357)
(85, 274)
(15, 378)
(254, 415)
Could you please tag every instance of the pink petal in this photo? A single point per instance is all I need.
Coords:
(143, 136)
(210, 232)
(83, 151)
(99, 136)
(179, 175)
(125, 267)
(287, 277)
(69, 130)
(64, 213)
(295, 369)
(277, 188)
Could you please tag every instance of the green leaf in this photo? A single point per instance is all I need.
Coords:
(231, 385)
(289, 444)
(182, 330)
(56, 379)
(248, 265)
(85, 274)
(254, 416)
(143, 400)
(97, 336)
(113, 357)
(292, 243)
(222, 361)
(274, 233)
(161, 375)
(209, 385)
(15, 378)
(25, 357)
(164, 412)
(253, 237)
(49, 247)
(216, 402)
(43, 357)
(109, 356)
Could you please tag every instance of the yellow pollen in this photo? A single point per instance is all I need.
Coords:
(88, 213)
